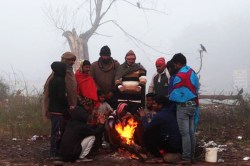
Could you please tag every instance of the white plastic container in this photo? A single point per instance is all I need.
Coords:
(211, 155)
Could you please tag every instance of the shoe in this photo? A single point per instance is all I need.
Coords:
(84, 160)
(56, 158)
(154, 160)
(185, 162)
(58, 163)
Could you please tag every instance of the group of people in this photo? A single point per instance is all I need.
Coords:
(85, 106)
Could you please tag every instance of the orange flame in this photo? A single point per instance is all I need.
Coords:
(127, 132)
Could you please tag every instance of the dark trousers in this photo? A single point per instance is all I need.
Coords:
(57, 129)
(155, 142)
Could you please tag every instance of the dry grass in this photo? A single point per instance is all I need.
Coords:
(225, 121)
(21, 117)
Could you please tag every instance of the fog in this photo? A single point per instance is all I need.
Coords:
(29, 43)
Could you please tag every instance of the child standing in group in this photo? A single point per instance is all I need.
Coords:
(103, 109)
(150, 113)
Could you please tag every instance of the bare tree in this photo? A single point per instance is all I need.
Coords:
(96, 12)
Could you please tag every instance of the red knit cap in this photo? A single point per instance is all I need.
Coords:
(160, 61)
(120, 108)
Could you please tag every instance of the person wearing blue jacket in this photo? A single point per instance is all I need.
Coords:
(162, 133)
(185, 94)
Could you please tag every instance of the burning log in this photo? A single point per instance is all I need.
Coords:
(136, 150)
(126, 131)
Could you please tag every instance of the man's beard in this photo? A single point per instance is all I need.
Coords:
(106, 61)
(130, 65)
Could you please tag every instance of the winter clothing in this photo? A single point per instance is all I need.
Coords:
(76, 130)
(162, 132)
(105, 50)
(86, 86)
(186, 86)
(159, 84)
(131, 74)
(160, 61)
(58, 105)
(185, 94)
(70, 84)
(104, 74)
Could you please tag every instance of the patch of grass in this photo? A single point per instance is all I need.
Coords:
(225, 121)
(21, 117)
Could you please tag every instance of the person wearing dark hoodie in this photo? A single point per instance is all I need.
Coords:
(58, 105)
(79, 136)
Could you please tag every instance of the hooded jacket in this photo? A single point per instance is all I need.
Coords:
(57, 89)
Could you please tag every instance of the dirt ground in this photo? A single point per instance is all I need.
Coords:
(26, 152)
(35, 152)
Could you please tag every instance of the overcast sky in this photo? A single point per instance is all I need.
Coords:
(29, 43)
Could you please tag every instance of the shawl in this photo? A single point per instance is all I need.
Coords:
(124, 69)
(86, 85)
(106, 67)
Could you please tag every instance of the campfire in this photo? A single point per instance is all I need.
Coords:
(126, 131)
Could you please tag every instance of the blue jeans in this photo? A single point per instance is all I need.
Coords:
(57, 129)
(185, 119)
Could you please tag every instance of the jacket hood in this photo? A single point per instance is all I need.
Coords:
(59, 69)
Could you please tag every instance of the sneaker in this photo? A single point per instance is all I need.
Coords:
(84, 160)
(105, 145)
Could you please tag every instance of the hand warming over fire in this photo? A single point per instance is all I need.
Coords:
(101, 118)
(141, 112)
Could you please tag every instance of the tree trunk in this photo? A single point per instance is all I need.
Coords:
(78, 46)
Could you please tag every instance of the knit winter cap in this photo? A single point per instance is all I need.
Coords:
(131, 52)
(121, 108)
(160, 61)
(105, 50)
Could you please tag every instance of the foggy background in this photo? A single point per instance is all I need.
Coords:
(29, 43)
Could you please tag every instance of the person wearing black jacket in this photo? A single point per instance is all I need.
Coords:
(58, 106)
(79, 136)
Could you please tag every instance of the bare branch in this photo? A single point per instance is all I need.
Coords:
(55, 19)
(103, 14)
(96, 33)
(136, 39)
(139, 5)
(90, 13)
